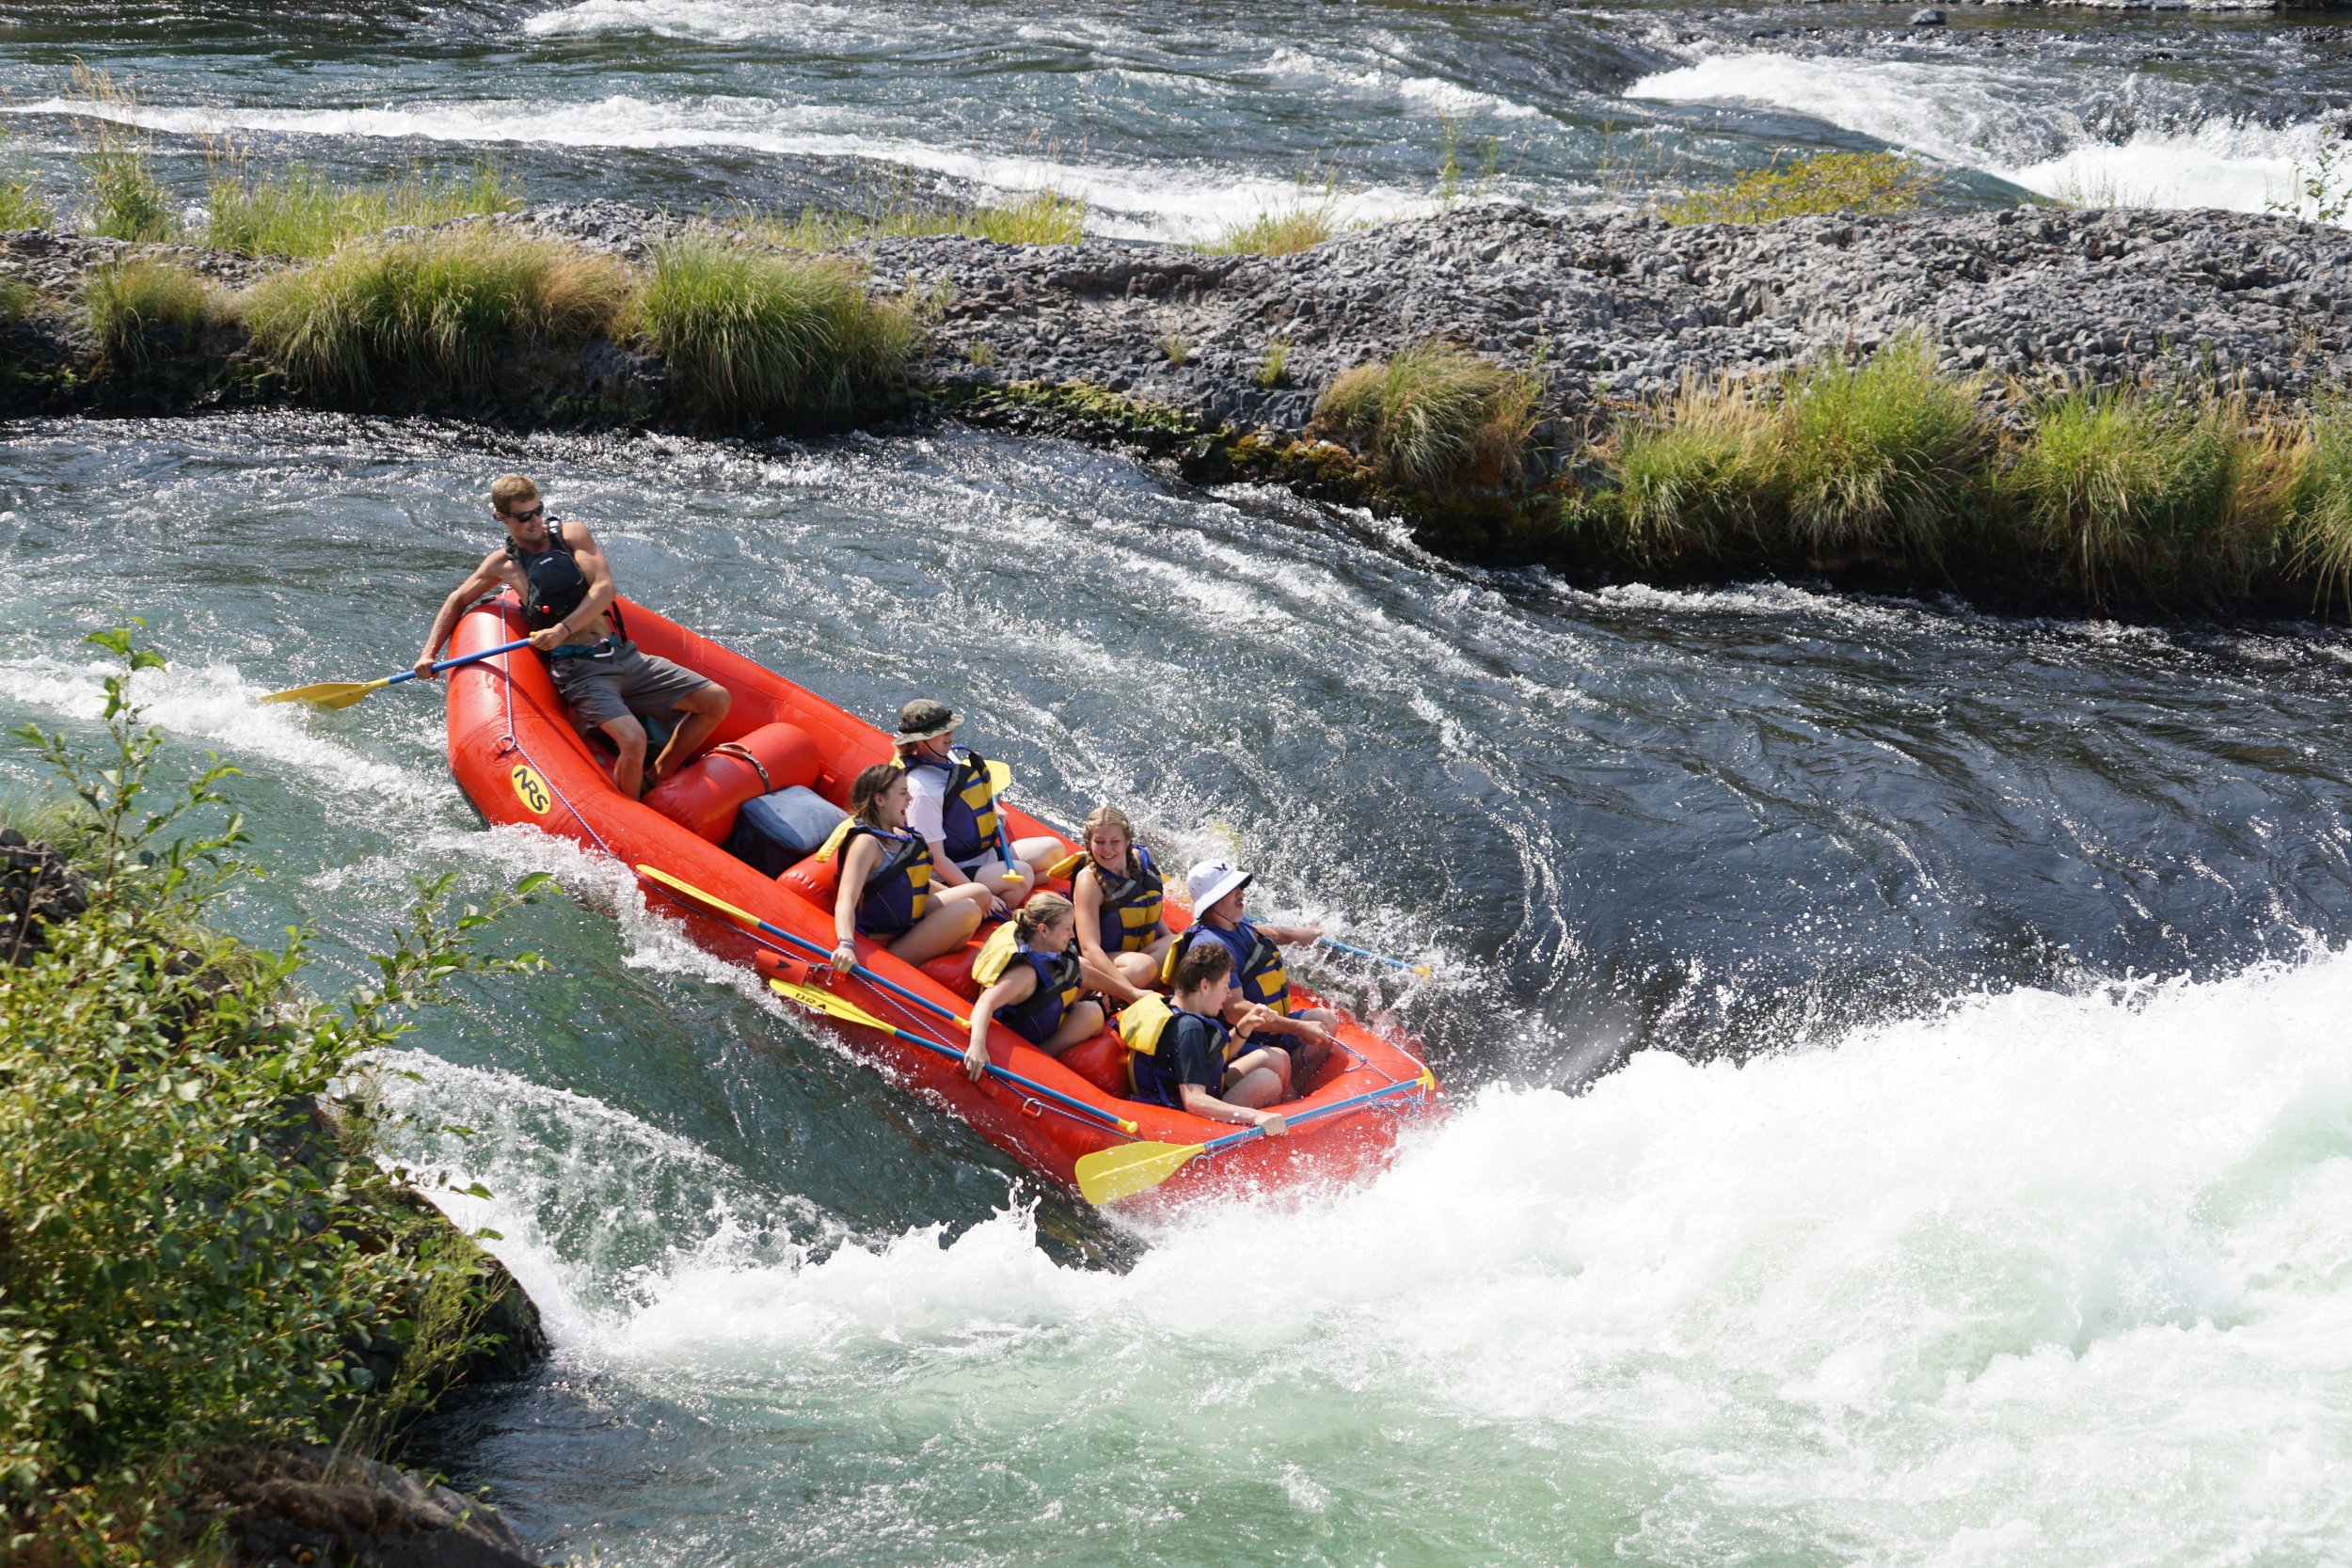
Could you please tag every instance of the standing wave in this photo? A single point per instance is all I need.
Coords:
(2046, 1277)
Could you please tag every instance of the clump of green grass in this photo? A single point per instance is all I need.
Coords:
(1177, 348)
(1279, 231)
(1436, 416)
(1046, 217)
(1874, 182)
(1881, 456)
(754, 336)
(16, 299)
(2321, 545)
(1696, 472)
(126, 200)
(22, 205)
(299, 213)
(2164, 497)
(441, 313)
(1274, 367)
(143, 309)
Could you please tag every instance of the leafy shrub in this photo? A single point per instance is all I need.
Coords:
(142, 310)
(443, 313)
(756, 337)
(21, 204)
(299, 211)
(187, 1259)
(1881, 456)
(16, 299)
(1826, 182)
(1436, 416)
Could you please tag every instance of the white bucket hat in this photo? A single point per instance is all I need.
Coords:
(1211, 881)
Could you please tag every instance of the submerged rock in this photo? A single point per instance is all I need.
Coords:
(313, 1508)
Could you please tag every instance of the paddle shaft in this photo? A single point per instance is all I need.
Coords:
(1353, 951)
(1217, 1145)
(929, 1005)
(1028, 1085)
(465, 659)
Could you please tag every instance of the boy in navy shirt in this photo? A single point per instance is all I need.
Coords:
(1189, 1068)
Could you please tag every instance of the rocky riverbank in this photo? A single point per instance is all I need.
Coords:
(1219, 360)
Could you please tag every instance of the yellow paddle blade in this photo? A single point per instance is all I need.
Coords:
(698, 894)
(329, 693)
(1109, 1175)
(816, 999)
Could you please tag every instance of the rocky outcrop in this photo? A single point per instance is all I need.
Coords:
(313, 1508)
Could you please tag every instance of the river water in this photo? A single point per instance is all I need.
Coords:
(1901, 1105)
(1175, 120)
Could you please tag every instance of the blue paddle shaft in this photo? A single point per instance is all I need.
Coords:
(1215, 1145)
(468, 659)
(926, 1005)
(1351, 950)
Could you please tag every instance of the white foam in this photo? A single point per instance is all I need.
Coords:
(1434, 93)
(2010, 123)
(715, 21)
(2040, 1279)
(212, 704)
(1131, 200)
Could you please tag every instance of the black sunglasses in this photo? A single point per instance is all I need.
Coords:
(526, 516)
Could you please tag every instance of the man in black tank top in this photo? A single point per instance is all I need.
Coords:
(567, 589)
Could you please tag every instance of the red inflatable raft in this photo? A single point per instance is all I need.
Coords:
(516, 753)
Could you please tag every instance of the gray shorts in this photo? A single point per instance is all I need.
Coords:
(602, 690)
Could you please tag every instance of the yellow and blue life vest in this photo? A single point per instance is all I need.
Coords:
(898, 891)
(1258, 967)
(1155, 1050)
(1038, 1015)
(1131, 905)
(968, 825)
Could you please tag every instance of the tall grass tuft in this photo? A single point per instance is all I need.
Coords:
(144, 309)
(1881, 456)
(1279, 231)
(22, 205)
(2165, 499)
(299, 213)
(1826, 182)
(1046, 217)
(1695, 474)
(1437, 416)
(441, 313)
(2321, 547)
(754, 336)
(126, 200)
(16, 299)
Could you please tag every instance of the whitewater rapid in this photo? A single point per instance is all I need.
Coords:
(2100, 144)
(2041, 1277)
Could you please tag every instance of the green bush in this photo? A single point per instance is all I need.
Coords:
(140, 311)
(1827, 183)
(1881, 456)
(187, 1259)
(16, 299)
(445, 313)
(1436, 416)
(299, 211)
(755, 337)
(21, 204)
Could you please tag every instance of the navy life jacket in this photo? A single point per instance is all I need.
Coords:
(1258, 967)
(898, 890)
(1036, 1016)
(1131, 905)
(967, 817)
(1158, 1077)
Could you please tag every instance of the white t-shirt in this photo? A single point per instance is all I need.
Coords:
(928, 806)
